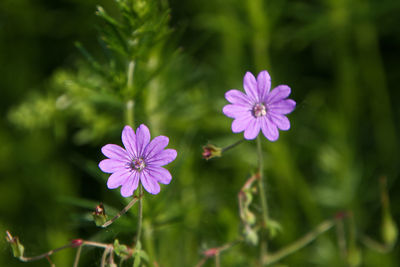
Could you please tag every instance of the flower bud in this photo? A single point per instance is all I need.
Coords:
(354, 256)
(211, 151)
(389, 229)
(250, 235)
(76, 243)
(99, 215)
(16, 246)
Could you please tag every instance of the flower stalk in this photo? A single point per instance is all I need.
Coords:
(140, 216)
(299, 244)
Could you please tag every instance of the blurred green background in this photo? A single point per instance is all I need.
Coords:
(340, 57)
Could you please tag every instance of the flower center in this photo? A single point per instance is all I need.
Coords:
(138, 164)
(259, 110)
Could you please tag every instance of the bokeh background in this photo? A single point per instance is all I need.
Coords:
(340, 57)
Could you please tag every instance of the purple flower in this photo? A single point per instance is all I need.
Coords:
(141, 161)
(260, 108)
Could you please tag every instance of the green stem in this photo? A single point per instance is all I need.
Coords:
(300, 243)
(129, 116)
(263, 199)
(232, 146)
(140, 215)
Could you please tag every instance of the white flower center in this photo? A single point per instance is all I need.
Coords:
(138, 164)
(259, 110)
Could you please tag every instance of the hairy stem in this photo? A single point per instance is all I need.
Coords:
(263, 199)
(77, 256)
(140, 215)
(122, 212)
(300, 243)
(231, 146)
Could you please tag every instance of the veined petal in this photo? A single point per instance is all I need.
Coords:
(164, 157)
(234, 111)
(252, 129)
(269, 129)
(263, 83)
(129, 140)
(155, 146)
(112, 165)
(115, 152)
(118, 178)
(130, 185)
(160, 174)
(282, 107)
(250, 86)
(149, 183)
(278, 93)
(281, 121)
(237, 97)
(142, 139)
(241, 123)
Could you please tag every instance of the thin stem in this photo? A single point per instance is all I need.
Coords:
(341, 238)
(140, 215)
(131, 69)
(104, 257)
(374, 245)
(300, 243)
(129, 116)
(77, 256)
(263, 199)
(217, 261)
(122, 212)
(45, 255)
(232, 146)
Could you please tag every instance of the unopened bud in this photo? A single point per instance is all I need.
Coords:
(250, 217)
(251, 236)
(354, 258)
(211, 151)
(76, 243)
(99, 215)
(389, 230)
(16, 246)
(211, 252)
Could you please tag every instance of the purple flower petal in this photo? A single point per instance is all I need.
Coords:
(252, 129)
(115, 152)
(278, 93)
(234, 111)
(160, 174)
(241, 123)
(164, 157)
(238, 98)
(129, 140)
(282, 107)
(281, 121)
(149, 183)
(155, 146)
(118, 178)
(112, 165)
(263, 83)
(130, 185)
(269, 129)
(142, 139)
(250, 86)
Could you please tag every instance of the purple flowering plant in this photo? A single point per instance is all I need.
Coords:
(259, 108)
(140, 161)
